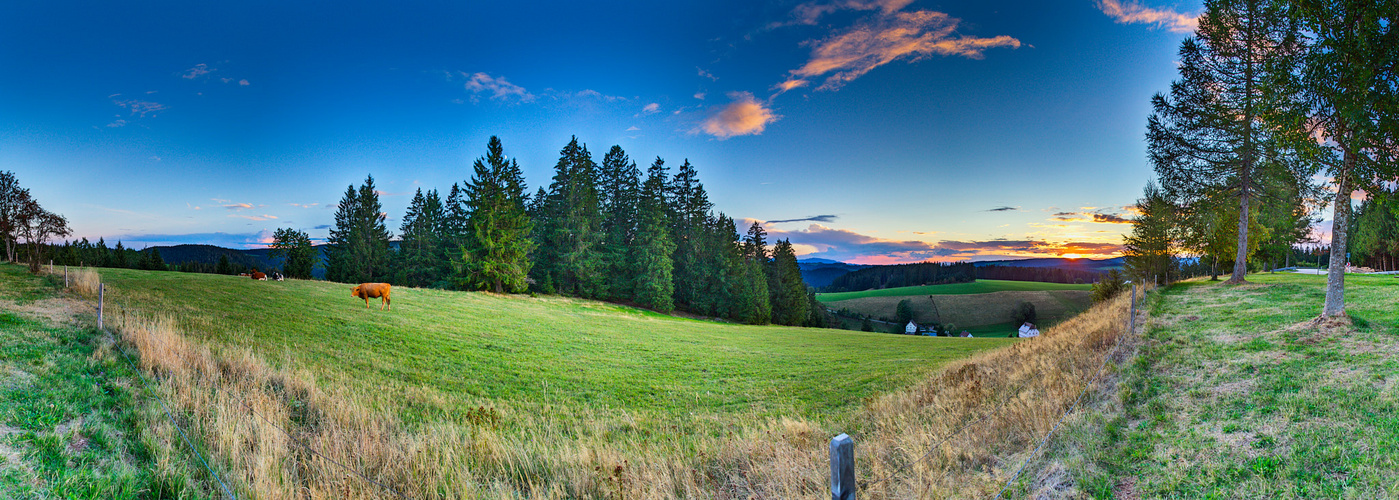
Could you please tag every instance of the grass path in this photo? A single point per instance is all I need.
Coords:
(71, 414)
(1236, 395)
(978, 286)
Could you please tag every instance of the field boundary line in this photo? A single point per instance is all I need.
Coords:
(146, 385)
(1131, 328)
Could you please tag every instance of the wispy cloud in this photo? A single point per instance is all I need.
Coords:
(243, 82)
(1131, 12)
(1098, 216)
(141, 108)
(633, 128)
(814, 218)
(699, 95)
(322, 226)
(810, 12)
(706, 74)
(496, 88)
(885, 38)
(197, 71)
(255, 217)
(743, 116)
(304, 205)
(1003, 209)
(238, 206)
(117, 123)
(651, 109)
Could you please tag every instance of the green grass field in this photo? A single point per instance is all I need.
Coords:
(978, 286)
(438, 352)
(1235, 394)
(70, 408)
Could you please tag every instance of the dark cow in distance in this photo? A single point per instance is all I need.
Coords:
(367, 291)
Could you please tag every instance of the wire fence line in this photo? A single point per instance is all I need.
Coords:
(146, 385)
(1128, 329)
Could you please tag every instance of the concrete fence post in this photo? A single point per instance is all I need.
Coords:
(101, 290)
(842, 468)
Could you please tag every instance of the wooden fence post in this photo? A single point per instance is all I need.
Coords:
(101, 288)
(842, 468)
(1132, 313)
(65, 276)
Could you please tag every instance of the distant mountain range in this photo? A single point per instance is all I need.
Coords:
(256, 258)
(818, 272)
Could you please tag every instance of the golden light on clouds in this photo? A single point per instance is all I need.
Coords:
(744, 116)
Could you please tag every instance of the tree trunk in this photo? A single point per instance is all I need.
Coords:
(1340, 220)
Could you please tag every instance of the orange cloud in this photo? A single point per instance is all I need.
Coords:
(744, 116)
(1135, 13)
(910, 36)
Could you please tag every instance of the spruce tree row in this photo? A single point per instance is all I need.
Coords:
(598, 231)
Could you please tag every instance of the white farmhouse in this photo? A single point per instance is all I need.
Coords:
(911, 329)
(1029, 330)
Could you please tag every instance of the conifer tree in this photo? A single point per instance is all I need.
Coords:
(789, 301)
(1147, 250)
(496, 256)
(1210, 138)
(117, 258)
(650, 261)
(752, 300)
(689, 217)
(359, 242)
(570, 226)
(418, 261)
(619, 186)
(340, 259)
(224, 266)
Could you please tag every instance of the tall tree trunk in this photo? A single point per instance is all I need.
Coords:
(1336, 271)
(1241, 257)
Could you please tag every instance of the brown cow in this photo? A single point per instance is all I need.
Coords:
(374, 290)
(259, 276)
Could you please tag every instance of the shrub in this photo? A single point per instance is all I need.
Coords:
(1108, 287)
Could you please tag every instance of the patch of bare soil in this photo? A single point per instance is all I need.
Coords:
(59, 310)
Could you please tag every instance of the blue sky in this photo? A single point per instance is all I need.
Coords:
(881, 130)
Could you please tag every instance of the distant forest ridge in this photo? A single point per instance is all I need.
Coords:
(1048, 270)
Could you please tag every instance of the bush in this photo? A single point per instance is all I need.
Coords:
(1108, 287)
(1024, 313)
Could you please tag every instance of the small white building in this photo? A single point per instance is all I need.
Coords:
(911, 329)
(1029, 330)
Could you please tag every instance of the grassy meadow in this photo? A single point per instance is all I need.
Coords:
(467, 395)
(978, 286)
(71, 409)
(1238, 393)
(437, 353)
(982, 307)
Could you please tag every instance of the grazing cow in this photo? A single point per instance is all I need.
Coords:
(373, 290)
(259, 276)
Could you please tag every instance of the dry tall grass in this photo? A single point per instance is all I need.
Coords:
(223, 397)
(82, 280)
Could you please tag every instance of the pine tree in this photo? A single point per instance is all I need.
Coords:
(1147, 251)
(751, 297)
(418, 260)
(1208, 140)
(651, 266)
(789, 302)
(118, 258)
(224, 266)
(689, 216)
(619, 186)
(359, 242)
(155, 262)
(496, 256)
(570, 227)
(340, 260)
